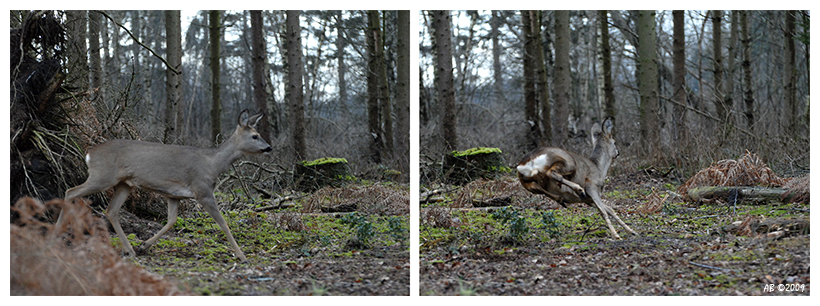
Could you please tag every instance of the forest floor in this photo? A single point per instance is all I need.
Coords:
(289, 253)
(682, 248)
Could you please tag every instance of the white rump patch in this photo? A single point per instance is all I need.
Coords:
(87, 158)
(532, 167)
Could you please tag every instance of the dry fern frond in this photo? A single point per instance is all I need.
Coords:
(798, 189)
(74, 259)
(484, 191)
(654, 203)
(438, 217)
(375, 199)
(748, 170)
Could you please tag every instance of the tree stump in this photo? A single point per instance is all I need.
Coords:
(312, 175)
(461, 167)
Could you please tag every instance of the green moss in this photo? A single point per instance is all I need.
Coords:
(324, 160)
(478, 150)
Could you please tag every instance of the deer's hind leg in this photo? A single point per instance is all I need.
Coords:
(605, 212)
(173, 208)
(121, 192)
(551, 173)
(611, 212)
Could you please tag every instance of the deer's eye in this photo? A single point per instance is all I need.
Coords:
(255, 136)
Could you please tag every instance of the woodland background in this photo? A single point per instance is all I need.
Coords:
(329, 83)
(686, 88)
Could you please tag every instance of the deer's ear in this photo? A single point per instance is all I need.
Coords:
(607, 125)
(255, 120)
(243, 118)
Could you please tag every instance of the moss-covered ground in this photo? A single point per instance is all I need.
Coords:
(536, 247)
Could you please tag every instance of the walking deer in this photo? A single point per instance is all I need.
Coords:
(567, 177)
(176, 172)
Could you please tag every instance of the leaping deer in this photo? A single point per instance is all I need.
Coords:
(176, 172)
(567, 177)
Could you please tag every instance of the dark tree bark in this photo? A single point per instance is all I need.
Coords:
(790, 88)
(609, 91)
(679, 73)
(444, 69)
(296, 105)
(259, 53)
(340, 59)
(717, 53)
(562, 76)
(173, 77)
(530, 103)
(498, 79)
(373, 71)
(77, 54)
(728, 98)
(648, 79)
(95, 71)
(748, 93)
(385, 105)
(541, 84)
(403, 91)
(216, 104)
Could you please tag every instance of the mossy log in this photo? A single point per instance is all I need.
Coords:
(461, 167)
(310, 176)
(739, 192)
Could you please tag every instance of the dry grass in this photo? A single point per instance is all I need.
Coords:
(74, 259)
(375, 199)
(748, 170)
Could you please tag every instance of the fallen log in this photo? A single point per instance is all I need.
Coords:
(731, 193)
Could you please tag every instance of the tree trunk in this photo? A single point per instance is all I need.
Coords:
(77, 54)
(373, 71)
(259, 54)
(216, 103)
(790, 88)
(173, 80)
(296, 106)
(748, 94)
(530, 103)
(729, 99)
(95, 70)
(679, 73)
(562, 76)
(444, 70)
(498, 80)
(717, 53)
(648, 79)
(606, 51)
(403, 91)
(340, 59)
(385, 105)
(541, 84)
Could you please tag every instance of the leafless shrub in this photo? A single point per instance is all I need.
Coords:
(749, 170)
(375, 199)
(74, 259)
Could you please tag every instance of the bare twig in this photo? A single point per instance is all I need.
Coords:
(139, 42)
(711, 267)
